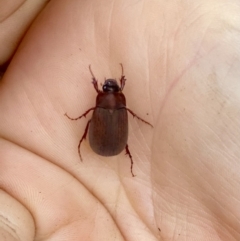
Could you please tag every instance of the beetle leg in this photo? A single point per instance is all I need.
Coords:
(134, 115)
(122, 79)
(85, 113)
(129, 154)
(94, 82)
(83, 137)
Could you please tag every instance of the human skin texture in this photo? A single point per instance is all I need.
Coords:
(15, 18)
(181, 62)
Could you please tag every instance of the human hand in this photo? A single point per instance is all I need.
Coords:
(180, 62)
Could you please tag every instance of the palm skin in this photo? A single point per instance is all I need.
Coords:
(181, 66)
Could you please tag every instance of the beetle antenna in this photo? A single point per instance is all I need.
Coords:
(91, 72)
(95, 83)
(122, 79)
(122, 68)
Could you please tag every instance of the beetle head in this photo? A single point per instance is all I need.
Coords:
(110, 85)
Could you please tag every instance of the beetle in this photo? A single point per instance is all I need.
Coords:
(108, 127)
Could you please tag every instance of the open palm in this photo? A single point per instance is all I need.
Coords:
(182, 69)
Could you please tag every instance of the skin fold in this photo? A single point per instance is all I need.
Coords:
(181, 62)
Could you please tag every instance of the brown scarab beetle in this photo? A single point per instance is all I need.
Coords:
(108, 127)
